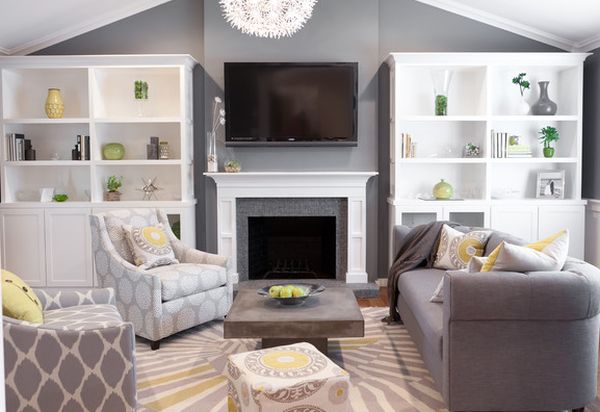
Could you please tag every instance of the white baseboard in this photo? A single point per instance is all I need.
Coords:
(357, 277)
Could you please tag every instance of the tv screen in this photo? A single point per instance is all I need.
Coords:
(291, 103)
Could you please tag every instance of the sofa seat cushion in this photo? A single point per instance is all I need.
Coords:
(416, 288)
(83, 317)
(185, 279)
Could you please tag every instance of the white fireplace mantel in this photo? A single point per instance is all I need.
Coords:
(348, 185)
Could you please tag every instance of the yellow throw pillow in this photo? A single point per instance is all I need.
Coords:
(18, 300)
(150, 246)
(457, 248)
(546, 254)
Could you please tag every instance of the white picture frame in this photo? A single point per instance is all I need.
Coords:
(550, 184)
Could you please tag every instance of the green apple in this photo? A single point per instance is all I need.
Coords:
(298, 292)
(286, 292)
(274, 291)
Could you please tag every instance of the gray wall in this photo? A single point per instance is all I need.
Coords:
(591, 127)
(340, 30)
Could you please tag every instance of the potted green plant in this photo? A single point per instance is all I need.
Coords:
(232, 166)
(113, 184)
(548, 135)
(523, 84)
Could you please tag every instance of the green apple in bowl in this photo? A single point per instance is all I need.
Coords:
(285, 292)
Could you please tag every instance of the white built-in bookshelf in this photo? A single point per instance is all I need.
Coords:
(98, 95)
(494, 192)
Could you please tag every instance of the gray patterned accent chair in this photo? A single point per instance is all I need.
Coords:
(80, 359)
(167, 299)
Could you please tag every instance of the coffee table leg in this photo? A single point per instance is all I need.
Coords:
(319, 343)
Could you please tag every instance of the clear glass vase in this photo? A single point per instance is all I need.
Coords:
(441, 84)
(211, 152)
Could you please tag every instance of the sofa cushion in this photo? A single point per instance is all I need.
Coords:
(416, 288)
(83, 317)
(498, 237)
(185, 279)
(456, 248)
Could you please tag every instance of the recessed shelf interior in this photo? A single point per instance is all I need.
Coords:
(563, 88)
(519, 180)
(470, 219)
(50, 139)
(23, 184)
(466, 94)
(25, 91)
(135, 136)
(114, 92)
(468, 180)
(443, 139)
(168, 178)
(412, 219)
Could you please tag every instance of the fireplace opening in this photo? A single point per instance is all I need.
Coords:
(292, 247)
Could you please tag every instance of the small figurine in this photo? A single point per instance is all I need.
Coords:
(149, 188)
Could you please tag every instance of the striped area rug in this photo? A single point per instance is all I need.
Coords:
(387, 373)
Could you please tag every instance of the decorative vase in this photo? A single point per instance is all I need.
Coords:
(549, 152)
(544, 106)
(441, 84)
(523, 108)
(443, 190)
(113, 151)
(55, 108)
(113, 196)
(211, 152)
(140, 93)
(163, 150)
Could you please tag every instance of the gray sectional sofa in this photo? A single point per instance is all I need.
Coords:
(506, 341)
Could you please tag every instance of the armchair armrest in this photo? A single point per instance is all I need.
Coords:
(57, 299)
(560, 295)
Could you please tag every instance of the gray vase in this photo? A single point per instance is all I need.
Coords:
(544, 106)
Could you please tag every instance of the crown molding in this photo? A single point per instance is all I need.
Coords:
(524, 30)
(589, 44)
(81, 28)
(4, 51)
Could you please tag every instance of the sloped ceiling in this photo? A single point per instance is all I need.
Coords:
(572, 25)
(30, 25)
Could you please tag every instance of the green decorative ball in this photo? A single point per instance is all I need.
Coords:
(113, 151)
(443, 190)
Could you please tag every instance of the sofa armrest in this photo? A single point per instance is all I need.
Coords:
(57, 299)
(108, 366)
(561, 295)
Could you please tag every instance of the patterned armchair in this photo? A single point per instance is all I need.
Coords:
(163, 300)
(80, 359)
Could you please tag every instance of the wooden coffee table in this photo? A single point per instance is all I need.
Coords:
(332, 314)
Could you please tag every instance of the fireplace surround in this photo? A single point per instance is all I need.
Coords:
(349, 186)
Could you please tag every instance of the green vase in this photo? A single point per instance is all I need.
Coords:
(548, 152)
(113, 151)
(443, 190)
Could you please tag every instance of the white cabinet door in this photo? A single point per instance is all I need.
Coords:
(553, 219)
(68, 247)
(23, 245)
(520, 221)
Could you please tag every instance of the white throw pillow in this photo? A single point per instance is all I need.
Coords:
(548, 254)
(150, 246)
(456, 249)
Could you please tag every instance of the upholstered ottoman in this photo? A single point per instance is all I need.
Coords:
(286, 378)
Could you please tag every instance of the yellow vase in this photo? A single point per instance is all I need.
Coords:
(55, 109)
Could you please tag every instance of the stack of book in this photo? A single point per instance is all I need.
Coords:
(518, 150)
(499, 144)
(15, 147)
(82, 148)
(408, 147)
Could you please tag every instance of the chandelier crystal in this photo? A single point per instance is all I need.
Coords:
(267, 18)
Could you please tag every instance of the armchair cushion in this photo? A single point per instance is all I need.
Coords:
(84, 317)
(114, 226)
(185, 279)
(150, 246)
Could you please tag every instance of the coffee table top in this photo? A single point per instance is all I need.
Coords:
(333, 313)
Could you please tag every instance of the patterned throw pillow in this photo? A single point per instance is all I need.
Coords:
(547, 254)
(456, 248)
(150, 246)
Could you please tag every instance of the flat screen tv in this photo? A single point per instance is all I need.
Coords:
(301, 104)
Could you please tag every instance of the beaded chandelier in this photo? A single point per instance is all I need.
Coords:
(267, 18)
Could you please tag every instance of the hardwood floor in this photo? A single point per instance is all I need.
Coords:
(379, 301)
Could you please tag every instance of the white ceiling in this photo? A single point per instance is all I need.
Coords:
(572, 25)
(30, 25)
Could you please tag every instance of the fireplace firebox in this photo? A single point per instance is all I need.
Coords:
(292, 247)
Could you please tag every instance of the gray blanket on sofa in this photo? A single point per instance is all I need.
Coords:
(418, 249)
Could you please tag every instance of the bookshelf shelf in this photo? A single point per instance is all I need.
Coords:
(97, 92)
(482, 101)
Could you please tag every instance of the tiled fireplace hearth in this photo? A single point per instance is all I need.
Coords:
(260, 215)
